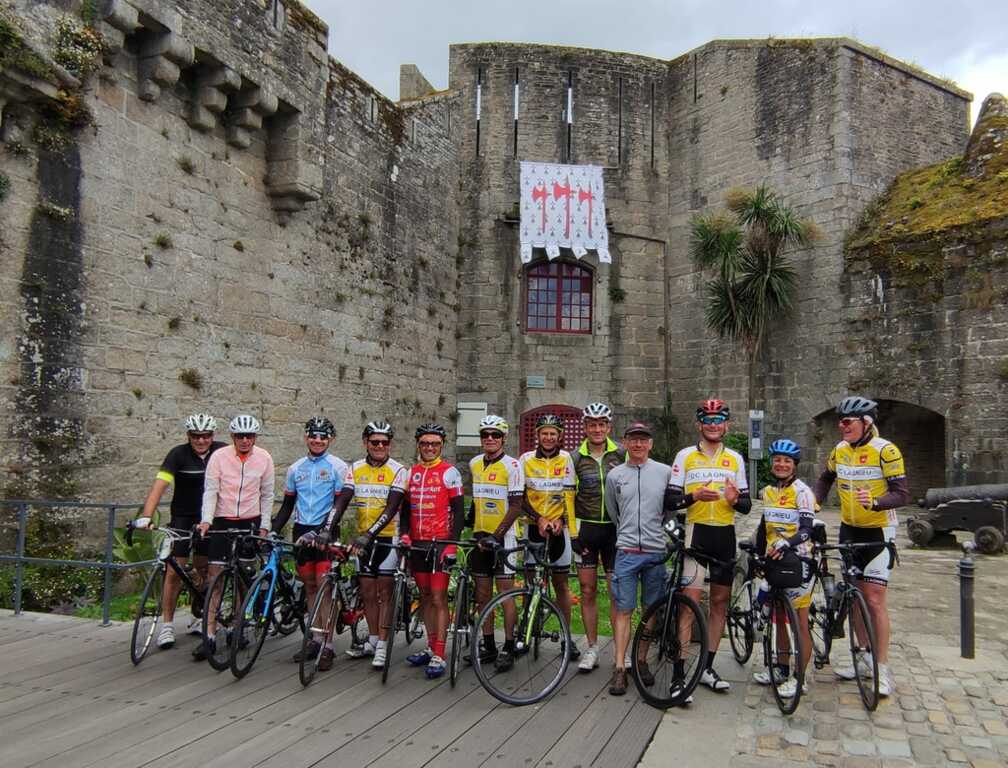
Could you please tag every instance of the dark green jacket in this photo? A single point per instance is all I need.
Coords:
(589, 501)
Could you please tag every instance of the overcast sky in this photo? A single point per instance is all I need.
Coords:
(966, 41)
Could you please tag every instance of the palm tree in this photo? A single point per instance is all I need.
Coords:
(754, 283)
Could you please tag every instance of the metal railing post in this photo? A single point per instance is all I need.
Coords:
(967, 637)
(20, 550)
(107, 591)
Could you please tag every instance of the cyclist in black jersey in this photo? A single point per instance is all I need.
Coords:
(185, 468)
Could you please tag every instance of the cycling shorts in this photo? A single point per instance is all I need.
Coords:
(718, 541)
(184, 547)
(873, 561)
(219, 547)
(423, 560)
(487, 564)
(380, 560)
(558, 551)
(598, 542)
(305, 555)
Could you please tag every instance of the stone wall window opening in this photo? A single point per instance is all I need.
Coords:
(516, 94)
(573, 433)
(558, 297)
(479, 104)
(373, 108)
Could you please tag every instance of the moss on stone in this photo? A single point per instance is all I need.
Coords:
(15, 53)
(300, 17)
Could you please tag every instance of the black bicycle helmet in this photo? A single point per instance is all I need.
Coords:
(319, 425)
(378, 428)
(430, 429)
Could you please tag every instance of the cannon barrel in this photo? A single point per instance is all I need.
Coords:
(936, 496)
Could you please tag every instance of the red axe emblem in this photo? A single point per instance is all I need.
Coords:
(589, 196)
(540, 193)
(566, 193)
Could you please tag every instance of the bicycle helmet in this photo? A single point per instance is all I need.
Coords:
(378, 428)
(855, 405)
(493, 422)
(713, 407)
(201, 422)
(785, 447)
(319, 425)
(597, 411)
(549, 420)
(430, 429)
(244, 424)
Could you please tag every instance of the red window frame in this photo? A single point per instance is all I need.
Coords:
(558, 294)
(573, 433)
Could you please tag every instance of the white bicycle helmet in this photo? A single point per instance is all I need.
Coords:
(493, 422)
(597, 411)
(244, 424)
(200, 422)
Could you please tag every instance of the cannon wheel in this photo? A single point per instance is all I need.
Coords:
(989, 539)
(921, 532)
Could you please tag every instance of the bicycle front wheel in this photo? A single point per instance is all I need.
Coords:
(148, 614)
(671, 640)
(739, 617)
(820, 625)
(393, 617)
(412, 620)
(253, 623)
(288, 610)
(533, 676)
(782, 650)
(318, 623)
(861, 634)
(222, 591)
(460, 629)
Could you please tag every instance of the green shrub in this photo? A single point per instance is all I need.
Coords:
(740, 442)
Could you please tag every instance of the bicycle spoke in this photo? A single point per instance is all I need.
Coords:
(671, 640)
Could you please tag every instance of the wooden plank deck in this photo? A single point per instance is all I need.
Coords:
(70, 697)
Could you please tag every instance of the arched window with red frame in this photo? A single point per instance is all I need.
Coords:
(558, 298)
(573, 432)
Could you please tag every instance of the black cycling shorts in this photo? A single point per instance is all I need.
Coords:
(186, 523)
(219, 547)
(380, 560)
(874, 562)
(305, 555)
(423, 560)
(598, 541)
(484, 562)
(718, 541)
(558, 551)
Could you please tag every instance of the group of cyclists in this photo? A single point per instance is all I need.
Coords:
(606, 503)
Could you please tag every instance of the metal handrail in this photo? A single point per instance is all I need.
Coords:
(107, 565)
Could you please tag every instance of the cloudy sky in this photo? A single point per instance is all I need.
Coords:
(966, 41)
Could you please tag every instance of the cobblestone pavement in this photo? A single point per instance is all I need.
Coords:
(945, 711)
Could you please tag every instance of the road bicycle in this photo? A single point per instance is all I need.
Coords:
(403, 614)
(542, 640)
(338, 606)
(149, 610)
(272, 603)
(671, 637)
(847, 601)
(225, 593)
(463, 625)
(758, 611)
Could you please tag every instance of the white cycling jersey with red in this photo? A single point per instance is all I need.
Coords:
(430, 491)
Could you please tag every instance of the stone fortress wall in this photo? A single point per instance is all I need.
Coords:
(378, 270)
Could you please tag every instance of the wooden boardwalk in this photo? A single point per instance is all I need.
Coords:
(70, 697)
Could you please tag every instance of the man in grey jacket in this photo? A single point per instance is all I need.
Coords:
(635, 500)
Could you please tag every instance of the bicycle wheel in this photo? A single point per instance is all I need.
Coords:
(394, 617)
(148, 614)
(530, 680)
(820, 625)
(253, 622)
(224, 584)
(782, 650)
(460, 630)
(289, 608)
(318, 623)
(672, 639)
(863, 649)
(412, 625)
(739, 617)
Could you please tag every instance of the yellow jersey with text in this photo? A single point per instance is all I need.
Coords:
(783, 509)
(867, 467)
(371, 486)
(549, 485)
(692, 469)
(493, 486)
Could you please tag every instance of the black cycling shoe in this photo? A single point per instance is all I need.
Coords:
(575, 654)
(486, 655)
(505, 660)
(204, 649)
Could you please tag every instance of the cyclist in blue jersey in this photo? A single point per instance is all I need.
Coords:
(313, 483)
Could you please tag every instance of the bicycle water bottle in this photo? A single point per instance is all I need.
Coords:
(828, 587)
(297, 586)
(763, 595)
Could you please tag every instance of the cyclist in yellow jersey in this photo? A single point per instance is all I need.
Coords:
(709, 480)
(498, 487)
(871, 483)
(787, 523)
(372, 485)
(549, 501)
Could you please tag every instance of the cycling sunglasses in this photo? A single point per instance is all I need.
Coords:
(715, 419)
(492, 435)
(378, 443)
(319, 435)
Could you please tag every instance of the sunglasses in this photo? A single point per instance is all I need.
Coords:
(492, 435)
(848, 420)
(716, 419)
(319, 436)
(378, 443)
(201, 435)
(430, 444)
(245, 436)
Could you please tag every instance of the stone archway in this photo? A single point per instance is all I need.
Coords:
(919, 432)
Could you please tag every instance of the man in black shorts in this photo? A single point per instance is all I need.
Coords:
(185, 467)
(595, 539)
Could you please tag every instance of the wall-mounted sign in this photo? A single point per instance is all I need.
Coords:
(535, 382)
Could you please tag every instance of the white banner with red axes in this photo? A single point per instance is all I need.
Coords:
(563, 206)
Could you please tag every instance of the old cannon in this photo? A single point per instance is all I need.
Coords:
(982, 509)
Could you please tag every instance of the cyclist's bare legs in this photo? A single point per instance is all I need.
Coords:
(484, 588)
(588, 579)
(213, 600)
(875, 596)
(621, 634)
(510, 609)
(435, 615)
(719, 595)
(172, 588)
(563, 594)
